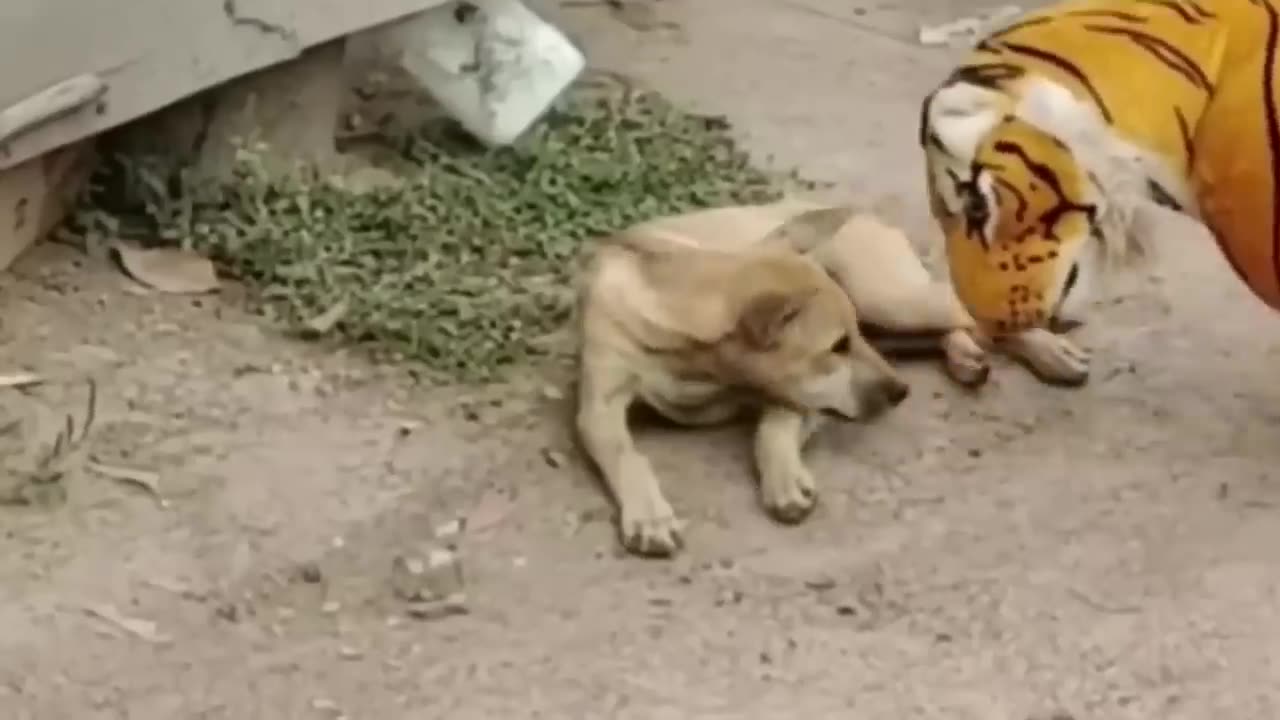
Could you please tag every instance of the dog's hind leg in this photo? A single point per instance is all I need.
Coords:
(787, 488)
(647, 524)
(930, 308)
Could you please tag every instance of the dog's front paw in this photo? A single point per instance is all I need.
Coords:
(789, 494)
(651, 530)
(966, 361)
(1052, 358)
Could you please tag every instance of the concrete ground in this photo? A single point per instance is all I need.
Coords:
(1025, 553)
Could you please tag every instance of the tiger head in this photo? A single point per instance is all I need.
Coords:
(1023, 217)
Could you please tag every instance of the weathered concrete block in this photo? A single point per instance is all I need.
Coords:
(494, 65)
(37, 194)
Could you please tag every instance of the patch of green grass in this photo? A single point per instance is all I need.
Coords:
(469, 266)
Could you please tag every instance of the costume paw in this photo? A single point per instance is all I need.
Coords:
(1052, 358)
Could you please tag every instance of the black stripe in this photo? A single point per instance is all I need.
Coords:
(1162, 196)
(1113, 14)
(988, 75)
(1199, 10)
(1063, 205)
(1174, 6)
(1015, 27)
(1066, 66)
(1273, 132)
(924, 118)
(1013, 190)
(1168, 55)
(1188, 147)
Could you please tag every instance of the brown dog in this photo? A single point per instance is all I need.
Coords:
(706, 315)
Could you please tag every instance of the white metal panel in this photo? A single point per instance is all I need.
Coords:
(151, 53)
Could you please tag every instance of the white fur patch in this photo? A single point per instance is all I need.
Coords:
(987, 186)
(961, 115)
(1052, 108)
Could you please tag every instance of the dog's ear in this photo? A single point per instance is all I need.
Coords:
(766, 315)
(809, 229)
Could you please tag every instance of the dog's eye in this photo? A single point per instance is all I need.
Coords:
(842, 346)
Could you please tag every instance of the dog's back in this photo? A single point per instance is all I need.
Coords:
(729, 228)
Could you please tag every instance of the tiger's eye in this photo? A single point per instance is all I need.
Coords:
(975, 207)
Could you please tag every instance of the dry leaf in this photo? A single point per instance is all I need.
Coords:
(137, 627)
(492, 508)
(448, 606)
(145, 479)
(170, 270)
(451, 529)
(325, 321)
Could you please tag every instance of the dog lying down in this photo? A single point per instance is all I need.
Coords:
(771, 308)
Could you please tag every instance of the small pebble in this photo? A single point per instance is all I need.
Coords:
(820, 583)
(554, 458)
(350, 653)
(414, 579)
(729, 597)
(310, 573)
(454, 604)
(450, 529)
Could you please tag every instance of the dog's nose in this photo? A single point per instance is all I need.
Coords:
(895, 391)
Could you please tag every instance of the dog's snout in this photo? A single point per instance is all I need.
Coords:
(896, 391)
(883, 395)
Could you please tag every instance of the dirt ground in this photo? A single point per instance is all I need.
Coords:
(1023, 553)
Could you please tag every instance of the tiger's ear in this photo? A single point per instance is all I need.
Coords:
(807, 230)
(960, 115)
(766, 315)
(1053, 109)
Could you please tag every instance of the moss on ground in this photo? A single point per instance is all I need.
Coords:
(466, 267)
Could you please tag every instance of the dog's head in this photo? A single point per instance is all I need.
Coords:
(796, 338)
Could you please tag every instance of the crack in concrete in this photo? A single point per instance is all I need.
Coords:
(263, 26)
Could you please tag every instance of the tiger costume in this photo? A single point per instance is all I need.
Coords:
(1049, 148)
